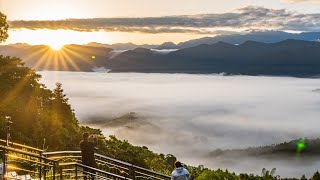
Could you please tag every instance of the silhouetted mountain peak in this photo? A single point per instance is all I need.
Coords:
(259, 36)
(121, 46)
(20, 45)
(168, 45)
(95, 44)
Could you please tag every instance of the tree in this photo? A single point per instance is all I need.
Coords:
(303, 177)
(3, 27)
(316, 176)
(196, 171)
(266, 175)
(37, 112)
(249, 177)
(170, 159)
(217, 175)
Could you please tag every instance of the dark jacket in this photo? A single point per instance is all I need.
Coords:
(87, 152)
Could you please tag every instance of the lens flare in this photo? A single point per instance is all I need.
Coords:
(300, 145)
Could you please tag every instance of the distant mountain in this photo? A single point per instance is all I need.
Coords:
(168, 45)
(259, 36)
(285, 58)
(20, 45)
(122, 46)
(308, 147)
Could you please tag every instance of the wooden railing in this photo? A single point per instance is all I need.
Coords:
(33, 162)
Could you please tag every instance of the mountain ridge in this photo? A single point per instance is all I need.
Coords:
(285, 58)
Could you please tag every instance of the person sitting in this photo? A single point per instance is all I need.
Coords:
(180, 173)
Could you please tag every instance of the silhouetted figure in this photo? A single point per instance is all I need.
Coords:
(87, 152)
(180, 173)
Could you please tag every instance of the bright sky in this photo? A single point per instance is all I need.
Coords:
(83, 9)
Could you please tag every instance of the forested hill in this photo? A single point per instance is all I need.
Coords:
(301, 147)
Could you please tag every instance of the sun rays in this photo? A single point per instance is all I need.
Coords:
(59, 57)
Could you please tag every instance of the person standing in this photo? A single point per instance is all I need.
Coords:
(87, 146)
(180, 173)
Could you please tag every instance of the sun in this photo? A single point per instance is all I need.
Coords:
(56, 46)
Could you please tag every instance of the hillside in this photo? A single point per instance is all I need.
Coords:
(301, 147)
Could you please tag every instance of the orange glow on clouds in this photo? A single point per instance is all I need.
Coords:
(57, 38)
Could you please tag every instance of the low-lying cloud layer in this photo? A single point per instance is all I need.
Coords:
(191, 115)
(250, 17)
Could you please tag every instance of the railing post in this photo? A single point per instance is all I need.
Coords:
(60, 173)
(45, 171)
(76, 172)
(54, 171)
(132, 173)
(4, 165)
(40, 169)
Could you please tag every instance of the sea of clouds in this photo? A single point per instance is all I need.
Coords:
(192, 115)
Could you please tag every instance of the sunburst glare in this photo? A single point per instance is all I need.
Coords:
(56, 46)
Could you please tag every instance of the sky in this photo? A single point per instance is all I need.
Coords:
(151, 22)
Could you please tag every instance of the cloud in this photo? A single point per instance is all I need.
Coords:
(192, 115)
(250, 17)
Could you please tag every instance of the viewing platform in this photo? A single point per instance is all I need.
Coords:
(23, 162)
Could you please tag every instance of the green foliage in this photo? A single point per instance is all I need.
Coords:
(316, 176)
(249, 177)
(217, 175)
(266, 175)
(196, 171)
(3, 27)
(38, 114)
(141, 156)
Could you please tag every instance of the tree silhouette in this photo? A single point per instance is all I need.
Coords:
(266, 175)
(303, 177)
(3, 27)
(316, 176)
